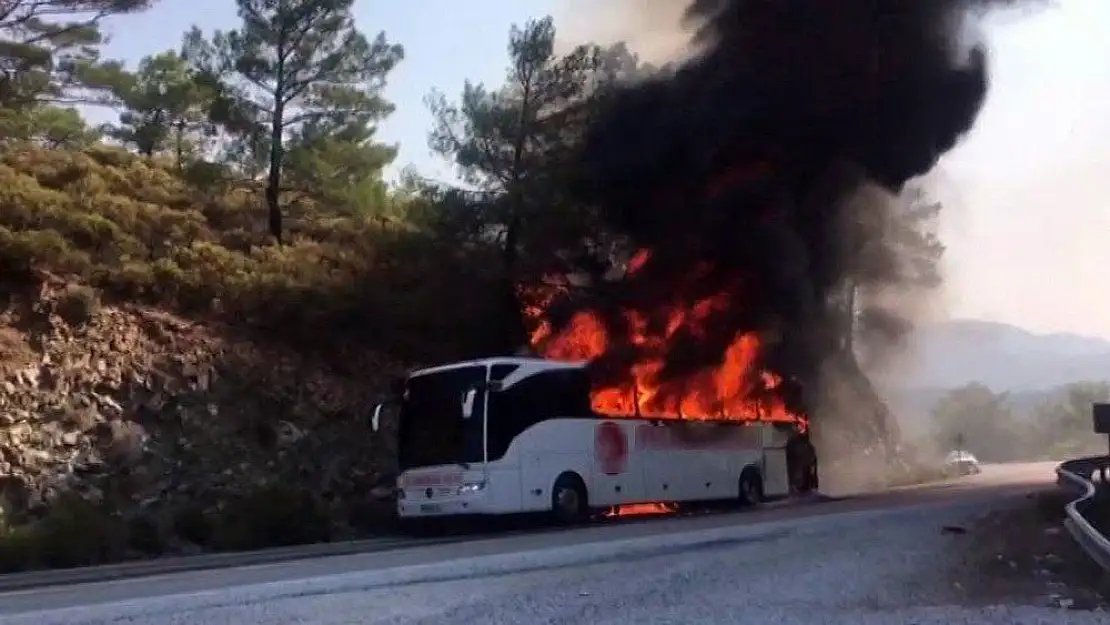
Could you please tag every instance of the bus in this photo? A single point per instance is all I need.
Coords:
(517, 435)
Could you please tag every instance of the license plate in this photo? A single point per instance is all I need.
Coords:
(429, 507)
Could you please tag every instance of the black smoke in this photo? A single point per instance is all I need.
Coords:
(742, 163)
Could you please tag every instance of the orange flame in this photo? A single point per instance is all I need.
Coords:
(641, 509)
(732, 390)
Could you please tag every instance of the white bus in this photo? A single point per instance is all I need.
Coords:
(518, 435)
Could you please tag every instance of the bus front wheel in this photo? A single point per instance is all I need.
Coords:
(569, 500)
(751, 487)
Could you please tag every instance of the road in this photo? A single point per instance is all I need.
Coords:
(862, 560)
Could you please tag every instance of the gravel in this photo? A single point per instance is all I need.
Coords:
(884, 567)
(1021, 553)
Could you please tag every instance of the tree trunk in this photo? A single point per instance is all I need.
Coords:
(273, 185)
(514, 332)
(179, 145)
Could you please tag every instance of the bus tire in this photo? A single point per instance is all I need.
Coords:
(569, 500)
(750, 487)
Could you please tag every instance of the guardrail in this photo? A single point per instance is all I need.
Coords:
(1085, 476)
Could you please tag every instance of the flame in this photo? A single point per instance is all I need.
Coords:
(734, 389)
(641, 509)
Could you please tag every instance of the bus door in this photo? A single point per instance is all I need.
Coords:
(665, 477)
(694, 460)
(618, 465)
(776, 469)
(710, 460)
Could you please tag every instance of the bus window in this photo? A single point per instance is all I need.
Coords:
(542, 396)
(432, 429)
(498, 373)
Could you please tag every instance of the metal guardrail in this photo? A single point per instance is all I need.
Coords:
(1084, 477)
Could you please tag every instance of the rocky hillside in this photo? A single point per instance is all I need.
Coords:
(170, 381)
(172, 438)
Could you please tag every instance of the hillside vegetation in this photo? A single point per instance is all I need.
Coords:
(168, 385)
(138, 231)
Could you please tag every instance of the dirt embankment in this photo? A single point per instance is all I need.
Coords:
(126, 431)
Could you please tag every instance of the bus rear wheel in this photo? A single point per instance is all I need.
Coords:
(569, 502)
(751, 487)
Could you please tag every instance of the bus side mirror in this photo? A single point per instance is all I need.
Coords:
(376, 419)
(468, 398)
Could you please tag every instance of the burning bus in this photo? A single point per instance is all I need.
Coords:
(518, 435)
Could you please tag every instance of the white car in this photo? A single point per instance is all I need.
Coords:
(962, 463)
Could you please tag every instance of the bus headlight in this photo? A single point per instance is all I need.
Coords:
(469, 488)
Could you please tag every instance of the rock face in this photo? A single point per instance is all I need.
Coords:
(179, 426)
(859, 444)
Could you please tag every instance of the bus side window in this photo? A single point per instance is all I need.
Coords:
(537, 398)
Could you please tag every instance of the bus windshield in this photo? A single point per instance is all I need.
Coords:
(432, 428)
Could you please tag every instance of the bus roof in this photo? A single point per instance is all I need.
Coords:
(530, 365)
(533, 365)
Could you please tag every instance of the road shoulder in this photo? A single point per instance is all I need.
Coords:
(1020, 553)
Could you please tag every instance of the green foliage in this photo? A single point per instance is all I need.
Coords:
(138, 230)
(340, 165)
(977, 419)
(165, 104)
(512, 145)
(48, 126)
(73, 533)
(1066, 424)
(49, 48)
(273, 516)
(300, 71)
(509, 140)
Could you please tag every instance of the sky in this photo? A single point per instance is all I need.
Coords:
(446, 42)
(1026, 220)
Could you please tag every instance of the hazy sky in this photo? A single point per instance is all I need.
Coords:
(1027, 223)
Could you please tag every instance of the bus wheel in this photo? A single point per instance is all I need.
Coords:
(751, 487)
(569, 503)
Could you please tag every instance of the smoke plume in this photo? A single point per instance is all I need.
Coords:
(747, 170)
(655, 30)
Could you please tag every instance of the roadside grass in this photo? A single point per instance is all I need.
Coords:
(76, 533)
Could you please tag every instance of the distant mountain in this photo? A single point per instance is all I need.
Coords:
(1002, 357)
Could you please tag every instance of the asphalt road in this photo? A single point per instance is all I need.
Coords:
(865, 559)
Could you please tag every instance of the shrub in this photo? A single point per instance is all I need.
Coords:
(273, 516)
(139, 231)
(73, 533)
(193, 525)
(78, 304)
(16, 550)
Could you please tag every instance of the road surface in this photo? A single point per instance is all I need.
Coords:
(865, 560)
